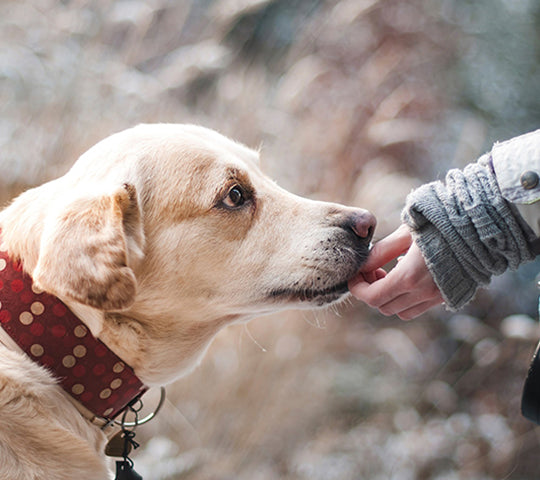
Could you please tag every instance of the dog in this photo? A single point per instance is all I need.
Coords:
(157, 237)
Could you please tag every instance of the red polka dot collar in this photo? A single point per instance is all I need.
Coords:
(47, 331)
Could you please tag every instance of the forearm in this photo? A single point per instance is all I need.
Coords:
(467, 231)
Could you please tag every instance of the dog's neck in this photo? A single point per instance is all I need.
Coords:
(50, 334)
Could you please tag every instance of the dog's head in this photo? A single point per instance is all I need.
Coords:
(173, 231)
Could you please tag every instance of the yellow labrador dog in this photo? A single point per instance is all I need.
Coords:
(158, 237)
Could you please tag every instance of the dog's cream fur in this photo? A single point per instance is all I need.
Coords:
(143, 240)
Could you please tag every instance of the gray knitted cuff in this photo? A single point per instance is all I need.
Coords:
(466, 231)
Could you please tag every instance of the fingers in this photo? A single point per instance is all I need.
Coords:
(410, 305)
(377, 293)
(418, 310)
(387, 249)
(383, 252)
(369, 277)
(407, 291)
(406, 305)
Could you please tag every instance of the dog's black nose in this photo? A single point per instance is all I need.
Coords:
(363, 224)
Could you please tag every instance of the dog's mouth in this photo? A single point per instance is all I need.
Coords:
(324, 284)
(315, 296)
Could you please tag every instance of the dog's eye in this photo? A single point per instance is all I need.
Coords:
(235, 198)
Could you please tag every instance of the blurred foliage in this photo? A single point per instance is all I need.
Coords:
(355, 101)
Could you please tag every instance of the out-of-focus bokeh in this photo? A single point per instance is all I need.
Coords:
(355, 101)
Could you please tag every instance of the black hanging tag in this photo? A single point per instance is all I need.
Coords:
(124, 471)
(117, 446)
(124, 468)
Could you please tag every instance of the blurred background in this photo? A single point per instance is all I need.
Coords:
(355, 101)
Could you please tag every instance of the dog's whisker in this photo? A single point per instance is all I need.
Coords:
(317, 322)
(335, 310)
(252, 338)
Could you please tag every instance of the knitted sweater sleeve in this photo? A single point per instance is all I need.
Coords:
(467, 231)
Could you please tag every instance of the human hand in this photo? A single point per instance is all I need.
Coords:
(408, 290)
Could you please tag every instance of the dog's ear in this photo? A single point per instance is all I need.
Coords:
(88, 250)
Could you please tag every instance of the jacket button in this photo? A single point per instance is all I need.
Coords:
(529, 179)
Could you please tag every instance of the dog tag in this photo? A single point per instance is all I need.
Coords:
(124, 471)
(116, 446)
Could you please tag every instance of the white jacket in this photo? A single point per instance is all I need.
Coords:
(517, 168)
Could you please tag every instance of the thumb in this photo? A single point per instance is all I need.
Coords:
(389, 248)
